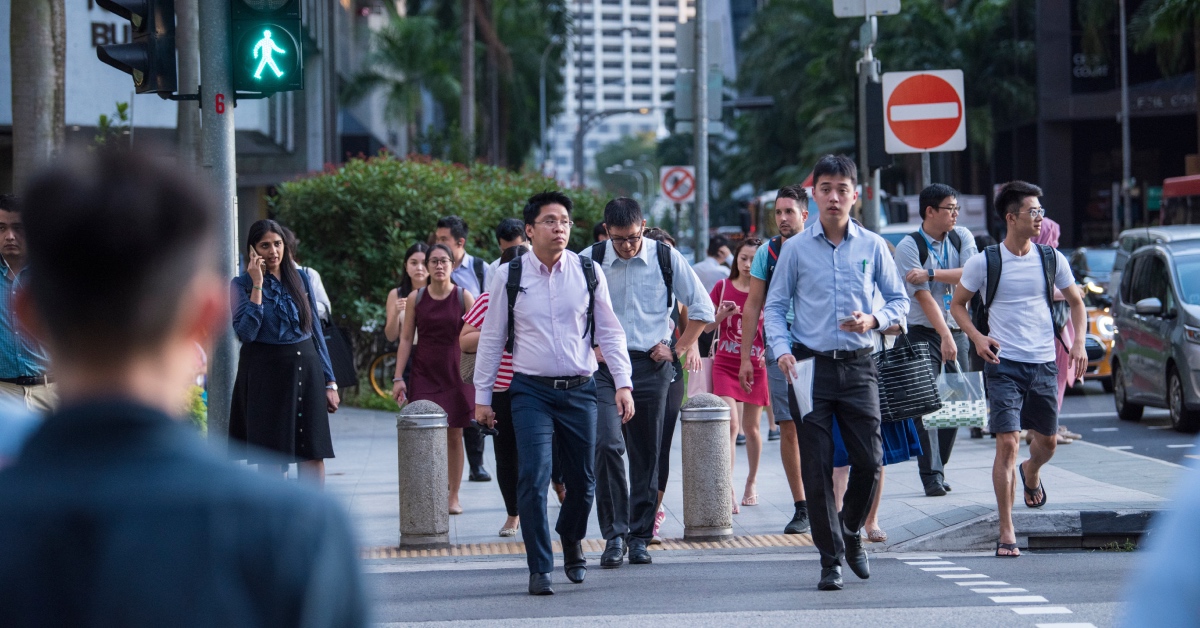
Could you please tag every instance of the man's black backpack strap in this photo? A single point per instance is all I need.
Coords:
(668, 271)
(979, 316)
(1060, 311)
(589, 273)
(513, 287)
(598, 251)
(773, 247)
(477, 266)
(923, 246)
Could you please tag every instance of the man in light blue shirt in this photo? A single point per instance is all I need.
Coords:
(24, 363)
(638, 271)
(831, 273)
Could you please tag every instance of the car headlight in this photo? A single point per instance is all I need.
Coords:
(1192, 333)
(1104, 325)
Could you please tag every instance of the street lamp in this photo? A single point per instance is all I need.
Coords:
(587, 117)
(586, 122)
(554, 41)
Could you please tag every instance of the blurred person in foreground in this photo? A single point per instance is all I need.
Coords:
(116, 513)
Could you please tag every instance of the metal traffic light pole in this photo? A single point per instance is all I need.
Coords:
(217, 161)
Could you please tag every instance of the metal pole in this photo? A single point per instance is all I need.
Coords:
(581, 130)
(1126, 159)
(187, 125)
(862, 121)
(216, 115)
(700, 134)
(926, 178)
(466, 108)
(543, 150)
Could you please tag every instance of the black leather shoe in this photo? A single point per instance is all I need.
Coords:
(945, 486)
(614, 553)
(539, 584)
(856, 556)
(574, 564)
(831, 579)
(935, 490)
(799, 523)
(480, 474)
(638, 554)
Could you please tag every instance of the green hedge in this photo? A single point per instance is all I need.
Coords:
(356, 221)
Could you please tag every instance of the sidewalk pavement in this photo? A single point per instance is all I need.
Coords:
(1092, 491)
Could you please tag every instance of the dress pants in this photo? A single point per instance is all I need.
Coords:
(541, 414)
(850, 390)
(473, 443)
(936, 445)
(505, 446)
(627, 509)
(670, 419)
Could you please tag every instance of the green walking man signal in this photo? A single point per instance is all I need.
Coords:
(267, 47)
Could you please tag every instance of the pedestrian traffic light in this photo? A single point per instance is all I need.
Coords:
(268, 49)
(150, 55)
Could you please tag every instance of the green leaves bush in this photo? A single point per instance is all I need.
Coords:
(356, 221)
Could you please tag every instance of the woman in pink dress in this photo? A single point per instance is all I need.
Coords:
(745, 408)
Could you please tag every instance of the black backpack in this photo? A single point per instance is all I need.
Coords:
(514, 288)
(956, 240)
(1059, 310)
(477, 266)
(599, 250)
(773, 247)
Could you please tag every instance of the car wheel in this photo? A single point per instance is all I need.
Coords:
(1182, 419)
(1125, 411)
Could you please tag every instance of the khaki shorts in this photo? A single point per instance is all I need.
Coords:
(41, 399)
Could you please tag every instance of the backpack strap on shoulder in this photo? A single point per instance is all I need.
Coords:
(668, 271)
(956, 241)
(774, 245)
(994, 263)
(513, 287)
(477, 266)
(922, 246)
(589, 274)
(598, 251)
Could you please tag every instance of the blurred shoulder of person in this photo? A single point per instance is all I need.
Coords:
(161, 531)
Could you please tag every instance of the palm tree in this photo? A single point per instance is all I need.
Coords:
(38, 49)
(409, 56)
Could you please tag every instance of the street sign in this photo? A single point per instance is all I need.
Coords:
(923, 111)
(864, 8)
(268, 48)
(678, 183)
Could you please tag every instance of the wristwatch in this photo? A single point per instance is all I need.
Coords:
(930, 274)
(332, 387)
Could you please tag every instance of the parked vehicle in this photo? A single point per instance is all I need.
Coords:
(1156, 353)
(1092, 264)
(1131, 240)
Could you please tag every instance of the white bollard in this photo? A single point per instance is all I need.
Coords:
(707, 509)
(424, 495)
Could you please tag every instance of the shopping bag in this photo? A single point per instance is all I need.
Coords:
(906, 383)
(800, 389)
(701, 381)
(964, 400)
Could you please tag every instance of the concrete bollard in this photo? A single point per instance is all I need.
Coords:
(424, 496)
(707, 509)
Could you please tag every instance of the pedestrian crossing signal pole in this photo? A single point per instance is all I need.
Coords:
(216, 114)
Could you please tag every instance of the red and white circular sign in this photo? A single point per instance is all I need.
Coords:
(923, 111)
(678, 183)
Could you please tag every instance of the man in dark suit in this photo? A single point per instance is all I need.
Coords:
(115, 512)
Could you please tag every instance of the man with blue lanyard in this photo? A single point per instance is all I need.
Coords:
(23, 360)
(830, 273)
(931, 260)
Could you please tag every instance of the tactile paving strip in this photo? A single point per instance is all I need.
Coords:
(592, 545)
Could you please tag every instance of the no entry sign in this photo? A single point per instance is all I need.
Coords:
(923, 111)
(678, 183)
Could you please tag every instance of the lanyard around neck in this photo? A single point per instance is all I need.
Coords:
(944, 261)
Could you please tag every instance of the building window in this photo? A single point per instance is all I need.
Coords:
(614, 17)
(667, 50)
(612, 49)
(667, 66)
(668, 3)
(643, 50)
(641, 96)
(614, 80)
(623, 129)
(562, 162)
(668, 18)
(641, 66)
(639, 17)
(614, 97)
(612, 65)
(612, 32)
(604, 128)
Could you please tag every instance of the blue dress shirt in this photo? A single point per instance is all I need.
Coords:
(20, 354)
(825, 282)
(275, 321)
(639, 294)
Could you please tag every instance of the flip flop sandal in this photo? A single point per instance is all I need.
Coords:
(750, 500)
(1031, 493)
(1011, 548)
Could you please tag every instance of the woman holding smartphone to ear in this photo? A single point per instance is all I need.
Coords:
(285, 387)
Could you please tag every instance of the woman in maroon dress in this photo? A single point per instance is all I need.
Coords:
(437, 312)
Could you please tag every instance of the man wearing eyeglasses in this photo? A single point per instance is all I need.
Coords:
(643, 303)
(930, 259)
(1022, 386)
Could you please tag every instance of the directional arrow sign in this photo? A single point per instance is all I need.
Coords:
(923, 111)
(678, 183)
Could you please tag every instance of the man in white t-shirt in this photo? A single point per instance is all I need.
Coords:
(1022, 386)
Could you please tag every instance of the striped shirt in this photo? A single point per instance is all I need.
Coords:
(474, 318)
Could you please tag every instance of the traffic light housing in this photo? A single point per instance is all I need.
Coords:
(268, 46)
(150, 55)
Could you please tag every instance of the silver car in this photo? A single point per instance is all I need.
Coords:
(1156, 352)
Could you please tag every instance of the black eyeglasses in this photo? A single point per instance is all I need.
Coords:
(629, 241)
(953, 209)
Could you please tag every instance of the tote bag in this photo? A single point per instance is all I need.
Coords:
(702, 381)
(964, 400)
(906, 384)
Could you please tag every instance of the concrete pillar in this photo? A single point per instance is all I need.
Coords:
(424, 480)
(707, 509)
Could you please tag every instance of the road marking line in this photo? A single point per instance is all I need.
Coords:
(915, 557)
(1181, 446)
(929, 562)
(990, 583)
(1192, 456)
(1158, 427)
(962, 575)
(945, 569)
(924, 111)
(1075, 625)
(1018, 599)
(1041, 610)
(1104, 429)
(1002, 590)
(1087, 415)
(1122, 447)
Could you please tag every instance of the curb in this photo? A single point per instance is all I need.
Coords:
(1037, 529)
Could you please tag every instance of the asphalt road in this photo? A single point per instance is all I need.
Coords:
(1092, 414)
(765, 589)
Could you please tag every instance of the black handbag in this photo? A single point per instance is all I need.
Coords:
(907, 388)
(341, 357)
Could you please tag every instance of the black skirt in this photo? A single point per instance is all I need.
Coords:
(279, 411)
